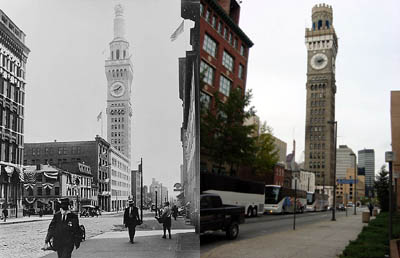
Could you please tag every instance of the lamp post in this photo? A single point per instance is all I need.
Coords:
(141, 188)
(355, 183)
(390, 157)
(156, 202)
(334, 171)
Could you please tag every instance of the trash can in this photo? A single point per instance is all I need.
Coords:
(365, 217)
(374, 212)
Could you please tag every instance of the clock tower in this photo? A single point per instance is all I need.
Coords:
(119, 73)
(322, 46)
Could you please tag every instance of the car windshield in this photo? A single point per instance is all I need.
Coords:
(271, 194)
(310, 198)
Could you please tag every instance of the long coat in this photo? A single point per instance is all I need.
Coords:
(65, 233)
(131, 218)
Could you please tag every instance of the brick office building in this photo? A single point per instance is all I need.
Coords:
(224, 51)
(109, 167)
(13, 57)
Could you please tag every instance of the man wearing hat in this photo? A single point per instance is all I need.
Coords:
(131, 219)
(65, 231)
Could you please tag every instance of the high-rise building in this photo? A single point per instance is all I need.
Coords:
(366, 160)
(119, 73)
(322, 46)
(395, 125)
(344, 160)
(13, 58)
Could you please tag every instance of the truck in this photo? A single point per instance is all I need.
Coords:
(214, 216)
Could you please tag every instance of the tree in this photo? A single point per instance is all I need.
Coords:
(266, 155)
(381, 186)
(224, 137)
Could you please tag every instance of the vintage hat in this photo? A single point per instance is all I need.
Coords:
(64, 202)
(131, 201)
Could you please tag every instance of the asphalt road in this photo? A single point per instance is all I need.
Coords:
(268, 224)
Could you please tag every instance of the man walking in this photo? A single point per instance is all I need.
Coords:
(65, 231)
(371, 208)
(131, 219)
(166, 217)
(174, 211)
(5, 213)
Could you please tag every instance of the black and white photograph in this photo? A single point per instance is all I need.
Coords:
(99, 117)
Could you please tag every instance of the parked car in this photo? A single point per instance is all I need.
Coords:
(216, 216)
(341, 207)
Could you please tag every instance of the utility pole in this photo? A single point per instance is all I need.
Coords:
(295, 200)
(156, 203)
(334, 170)
(141, 188)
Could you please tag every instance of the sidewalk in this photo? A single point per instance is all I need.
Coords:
(148, 244)
(321, 240)
(32, 218)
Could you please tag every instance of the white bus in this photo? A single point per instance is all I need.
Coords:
(317, 202)
(235, 191)
(279, 200)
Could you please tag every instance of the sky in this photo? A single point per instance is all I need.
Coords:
(367, 69)
(66, 83)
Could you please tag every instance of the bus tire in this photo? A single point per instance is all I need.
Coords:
(255, 212)
(232, 231)
(249, 211)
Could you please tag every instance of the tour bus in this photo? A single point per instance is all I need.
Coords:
(279, 200)
(235, 191)
(317, 202)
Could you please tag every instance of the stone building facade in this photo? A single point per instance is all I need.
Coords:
(322, 46)
(395, 129)
(13, 58)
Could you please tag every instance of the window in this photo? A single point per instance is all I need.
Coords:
(205, 100)
(327, 24)
(219, 27)
(242, 50)
(235, 43)
(240, 72)
(207, 15)
(227, 61)
(225, 33)
(214, 22)
(47, 191)
(208, 73)
(209, 45)
(230, 38)
(201, 9)
(117, 55)
(39, 191)
(319, 24)
(224, 85)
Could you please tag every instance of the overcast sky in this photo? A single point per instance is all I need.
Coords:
(367, 68)
(66, 83)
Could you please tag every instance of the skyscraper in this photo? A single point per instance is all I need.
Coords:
(344, 160)
(366, 160)
(119, 74)
(322, 46)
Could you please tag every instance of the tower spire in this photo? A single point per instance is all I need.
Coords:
(119, 22)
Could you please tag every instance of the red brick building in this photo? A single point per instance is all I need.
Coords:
(279, 174)
(224, 51)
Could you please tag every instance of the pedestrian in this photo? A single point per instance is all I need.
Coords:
(371, 208)
(166, 218)
(174, 211)
(65, 231)
(5, 213)
(131, 219)
(40, 212)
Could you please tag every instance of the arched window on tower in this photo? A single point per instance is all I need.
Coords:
(112, 55)
(124, 54)
(319, 24)
(327, 24)
(313, 25)
(117, 54)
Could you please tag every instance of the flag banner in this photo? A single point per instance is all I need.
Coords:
(99, 116)
(178, 31)
(28, 186)
(47, 185)
(30, 201)
(52, 175)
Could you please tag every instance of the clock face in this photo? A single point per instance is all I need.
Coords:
(319, 61)
(117, 89)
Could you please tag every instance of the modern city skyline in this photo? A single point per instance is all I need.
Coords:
(366, 160)
(344, 160)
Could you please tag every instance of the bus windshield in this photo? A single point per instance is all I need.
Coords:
(271, 194)
(310, 198)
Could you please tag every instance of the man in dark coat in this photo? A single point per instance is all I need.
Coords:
(65, 231)
(371, 208)
(131, 219)
(5, 213)
(166, 216)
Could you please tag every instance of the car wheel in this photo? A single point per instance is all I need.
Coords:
(233, 231)
(249, 211)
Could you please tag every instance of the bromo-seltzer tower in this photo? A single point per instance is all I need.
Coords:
(119, 74)
(322, 46)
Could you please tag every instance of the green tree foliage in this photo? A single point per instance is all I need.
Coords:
(382, 188)
(266, 155)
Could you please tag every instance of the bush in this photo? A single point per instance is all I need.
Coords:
(373, 242)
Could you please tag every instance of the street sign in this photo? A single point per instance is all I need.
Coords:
(389, 156)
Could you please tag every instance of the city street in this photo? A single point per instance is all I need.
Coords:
(26, 239)
(268, 224)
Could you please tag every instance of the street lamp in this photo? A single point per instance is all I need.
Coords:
(334, 171)
(355, 183)
(390, 157)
